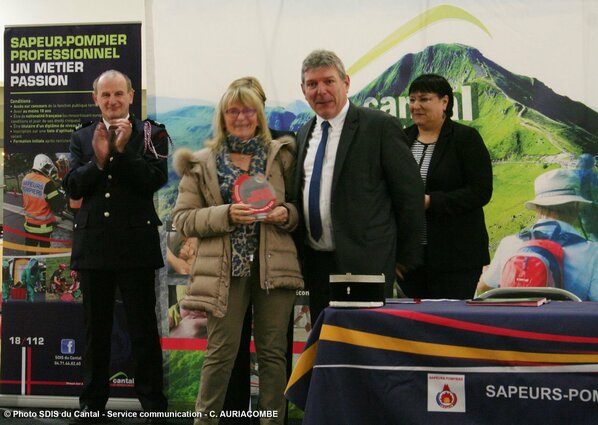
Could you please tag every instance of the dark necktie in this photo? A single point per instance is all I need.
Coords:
(315, 221)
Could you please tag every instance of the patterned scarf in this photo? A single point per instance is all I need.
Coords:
(245, 238)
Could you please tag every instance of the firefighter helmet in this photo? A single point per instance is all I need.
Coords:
(43, 164)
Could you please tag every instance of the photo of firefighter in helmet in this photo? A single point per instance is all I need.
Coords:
(42, 201)
(35, 205)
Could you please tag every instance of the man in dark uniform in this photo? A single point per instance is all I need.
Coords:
(117, 164)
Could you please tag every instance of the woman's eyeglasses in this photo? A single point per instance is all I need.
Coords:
(235, 112)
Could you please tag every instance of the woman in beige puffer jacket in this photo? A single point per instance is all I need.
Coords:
(201, 211)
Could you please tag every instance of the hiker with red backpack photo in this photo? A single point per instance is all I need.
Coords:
(552, 252)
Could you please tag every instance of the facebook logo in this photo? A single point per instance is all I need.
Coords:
(67, 346)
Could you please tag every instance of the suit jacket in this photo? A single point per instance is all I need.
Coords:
(117, 225)
(377, 194)
(459, 183)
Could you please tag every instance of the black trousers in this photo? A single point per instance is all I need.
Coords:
(37, 242)
(428, 282)
(136, 287)
(318, 266)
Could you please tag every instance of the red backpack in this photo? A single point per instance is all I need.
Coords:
(539, 262)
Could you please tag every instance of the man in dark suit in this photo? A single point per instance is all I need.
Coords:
(367, 215)
(117, 164)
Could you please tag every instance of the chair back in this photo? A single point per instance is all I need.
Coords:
(554, 294)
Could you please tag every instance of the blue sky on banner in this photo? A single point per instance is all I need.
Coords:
(195, 48)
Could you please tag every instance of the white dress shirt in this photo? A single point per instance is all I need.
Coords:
(326, 242)
(108, 124)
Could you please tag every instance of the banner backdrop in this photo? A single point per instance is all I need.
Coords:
(523, 73)
(48, 74)
(500, 58)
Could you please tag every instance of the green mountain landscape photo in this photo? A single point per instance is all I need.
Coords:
(527, 127)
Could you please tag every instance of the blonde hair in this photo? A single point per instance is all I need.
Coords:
(247, 97)
(252, 83)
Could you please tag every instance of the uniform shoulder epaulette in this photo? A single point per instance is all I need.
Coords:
(159, 133)
(156, 123)
(84, 124)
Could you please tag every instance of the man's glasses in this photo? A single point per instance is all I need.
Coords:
(235, 112)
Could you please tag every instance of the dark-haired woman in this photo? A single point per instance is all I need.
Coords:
(456, 170)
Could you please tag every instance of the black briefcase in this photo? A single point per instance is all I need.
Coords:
(356, 290)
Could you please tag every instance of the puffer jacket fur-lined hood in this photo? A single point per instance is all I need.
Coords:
(185, 159)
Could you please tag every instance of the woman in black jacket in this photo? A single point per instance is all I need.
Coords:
(457, 173)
